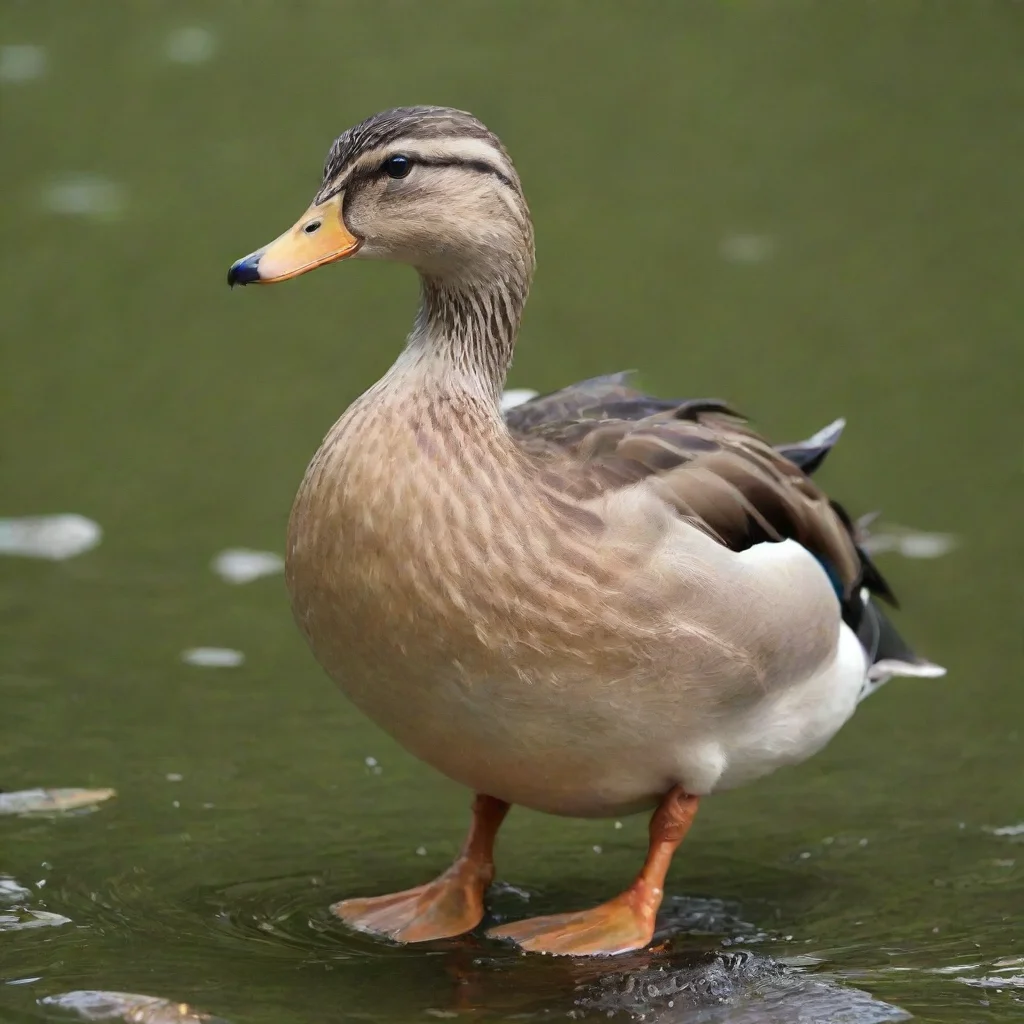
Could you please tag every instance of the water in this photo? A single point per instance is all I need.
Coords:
(810, 209)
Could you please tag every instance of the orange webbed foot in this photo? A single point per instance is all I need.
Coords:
(613, 927)
(626, 922)
(450, 905)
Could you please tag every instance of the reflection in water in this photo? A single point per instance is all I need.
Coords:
(737, 988)
(274, 928)
(666, 987)
(286, 920)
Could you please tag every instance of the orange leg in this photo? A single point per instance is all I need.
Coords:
(451, 904)
(626, 922)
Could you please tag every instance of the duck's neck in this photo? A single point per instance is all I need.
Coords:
(466, 329)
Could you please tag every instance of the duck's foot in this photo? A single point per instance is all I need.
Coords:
(614, 927)
(621, 924)
(451, 904)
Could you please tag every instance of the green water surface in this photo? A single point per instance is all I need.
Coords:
(811, 209)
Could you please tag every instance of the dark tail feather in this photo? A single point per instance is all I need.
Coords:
(810, 454)
(889, 653)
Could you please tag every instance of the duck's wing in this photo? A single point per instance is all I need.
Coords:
(611, 397)
(706, 462)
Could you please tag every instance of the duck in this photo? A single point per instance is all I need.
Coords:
(595, 603)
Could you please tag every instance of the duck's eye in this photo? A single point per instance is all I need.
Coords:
(397, 166)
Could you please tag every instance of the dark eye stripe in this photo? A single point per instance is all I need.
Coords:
(480, 166)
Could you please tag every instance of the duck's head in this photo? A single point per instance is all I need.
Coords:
(427, 186)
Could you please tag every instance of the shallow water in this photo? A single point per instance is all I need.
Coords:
(809, 209)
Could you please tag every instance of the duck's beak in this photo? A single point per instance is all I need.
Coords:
(318, 237)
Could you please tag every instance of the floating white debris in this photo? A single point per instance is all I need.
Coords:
(948, 969)
(801, 960)
(421, 851)
(11, 891)
(597, 849)
(192, 44)
(907, 542)
(240, 565)
(370, 762)
(618, 824)
(127, 1006)
(516, 396)
(1007, 830)
(995, 981)
(213, 657)
(742, 248)
(52, 801)
(1006, 963)
(55, 537)
(926, 545)
(22, 62)
(22, 919)
(174, 776)
(84, 195)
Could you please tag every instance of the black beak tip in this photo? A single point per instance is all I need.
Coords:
(244, 271)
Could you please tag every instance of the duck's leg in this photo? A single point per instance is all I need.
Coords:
(626, 922)
(451, 904)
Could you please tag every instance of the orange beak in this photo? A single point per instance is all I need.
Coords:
(318, 237)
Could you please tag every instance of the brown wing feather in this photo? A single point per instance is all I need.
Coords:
(702, 458)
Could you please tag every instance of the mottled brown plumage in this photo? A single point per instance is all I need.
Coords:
(599, 602)
(711, 467)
